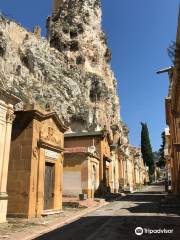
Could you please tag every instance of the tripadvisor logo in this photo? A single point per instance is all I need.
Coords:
(139, 231)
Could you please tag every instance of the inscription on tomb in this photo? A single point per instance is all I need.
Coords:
(51, 154)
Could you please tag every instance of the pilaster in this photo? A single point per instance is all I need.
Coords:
(7, 101)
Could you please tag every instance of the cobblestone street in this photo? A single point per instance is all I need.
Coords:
(149, 209)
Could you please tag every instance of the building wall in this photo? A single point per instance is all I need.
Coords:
(173, 120)
(101, 144)
(33, 139)
(72, 185)
(78, 174)
(114, 172)
(19, 172)
(175, 152)
(173, 116)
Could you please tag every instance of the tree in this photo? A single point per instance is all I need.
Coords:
(162, 161)
(171, 51)
(146, 149)
(174, 52)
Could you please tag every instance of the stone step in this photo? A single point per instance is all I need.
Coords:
(51, 212)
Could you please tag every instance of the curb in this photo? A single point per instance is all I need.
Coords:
(58, 225)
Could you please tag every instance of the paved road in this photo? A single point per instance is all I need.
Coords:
(119, 219)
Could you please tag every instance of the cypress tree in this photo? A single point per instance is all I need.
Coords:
(146, 149)
(162, 160)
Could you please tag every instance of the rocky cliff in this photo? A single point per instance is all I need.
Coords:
(68, 71)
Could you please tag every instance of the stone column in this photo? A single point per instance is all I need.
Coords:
(6, 150)
(7, 101)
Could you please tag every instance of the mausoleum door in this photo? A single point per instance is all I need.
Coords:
(49, 186)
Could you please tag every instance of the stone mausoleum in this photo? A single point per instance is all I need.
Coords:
(7, 102)
(36, 163)
(81, 172)
(86, 163)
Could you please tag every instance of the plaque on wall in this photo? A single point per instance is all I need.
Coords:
(51, 154)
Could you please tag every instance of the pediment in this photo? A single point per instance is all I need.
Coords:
(50, 133)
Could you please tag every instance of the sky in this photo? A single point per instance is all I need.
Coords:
(139, 33)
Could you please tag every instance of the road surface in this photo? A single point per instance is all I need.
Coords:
(118, 220)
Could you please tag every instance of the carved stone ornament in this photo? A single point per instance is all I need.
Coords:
(50, 136)
(10, 116)
(3, 114)
(35, 153)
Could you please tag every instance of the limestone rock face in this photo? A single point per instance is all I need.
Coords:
(37, 73)
(75, 30)
(69, 71)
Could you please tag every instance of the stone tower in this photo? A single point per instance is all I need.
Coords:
(56, 6)
(75, 30)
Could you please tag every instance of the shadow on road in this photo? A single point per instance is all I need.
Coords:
(119, 219)
(116, 228)
(153, 206)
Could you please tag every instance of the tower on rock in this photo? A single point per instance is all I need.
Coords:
(56, 6)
